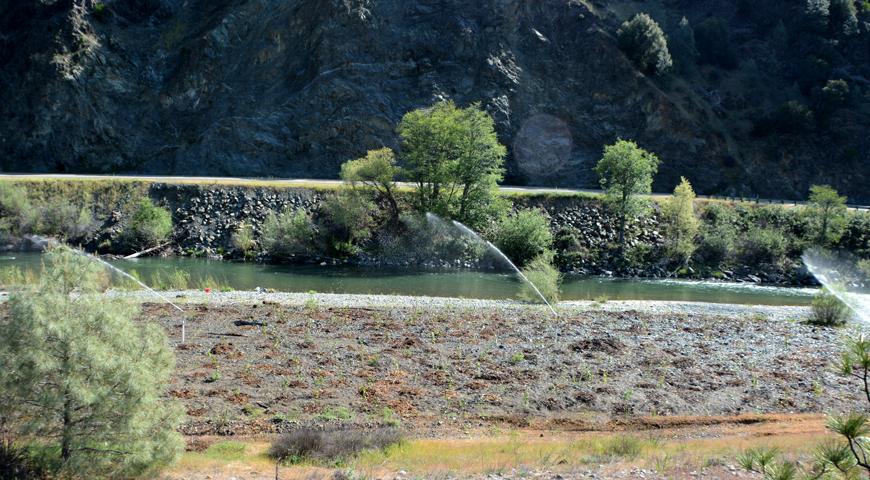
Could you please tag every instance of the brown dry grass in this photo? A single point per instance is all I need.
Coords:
(670, 445)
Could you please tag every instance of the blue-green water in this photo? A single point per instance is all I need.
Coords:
(340, 279)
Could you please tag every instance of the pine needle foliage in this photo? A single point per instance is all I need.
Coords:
(75, 370)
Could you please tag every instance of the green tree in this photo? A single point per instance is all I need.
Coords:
(80, 372)
(843, 17)
(149, 225)
(524, 236)
(816, 14)
(344, 222)
(683, 47)
(643, 40)
(832, 96)
(626, 172)
(829, 211)
(376, 171)
(455, 158)
(680, 222)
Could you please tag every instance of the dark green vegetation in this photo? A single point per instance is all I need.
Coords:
(82, 385)
(844, 458)
(763, 98)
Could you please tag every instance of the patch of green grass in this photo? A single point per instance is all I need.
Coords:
(336, 413)
(227, 451)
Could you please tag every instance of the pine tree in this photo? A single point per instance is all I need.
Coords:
(645, 43)
(77, 371)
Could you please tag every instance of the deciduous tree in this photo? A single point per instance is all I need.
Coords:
(626, 172)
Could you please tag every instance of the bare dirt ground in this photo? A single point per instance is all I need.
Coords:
(491, 392)
(265, 368)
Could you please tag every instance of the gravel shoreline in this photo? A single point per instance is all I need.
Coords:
(331, 300)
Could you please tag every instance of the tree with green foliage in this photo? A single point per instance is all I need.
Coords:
(455, 158)
(833, 95)
(376, 171)
(683, 47)
(829, 211)
(79, 373)
(626, 172)
(644, 42)
(524, 236)
(816, 14)
(149, 226)
(681, 225)
(345, 221)
(843, 19)
(288, 234)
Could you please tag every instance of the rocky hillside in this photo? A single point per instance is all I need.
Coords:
(295, 87)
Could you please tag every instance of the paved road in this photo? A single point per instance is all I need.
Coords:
(302, 182)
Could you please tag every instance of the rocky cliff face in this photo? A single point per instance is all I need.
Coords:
(293, 88)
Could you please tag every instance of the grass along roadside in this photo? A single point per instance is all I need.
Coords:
(663, 451)
(323, 185)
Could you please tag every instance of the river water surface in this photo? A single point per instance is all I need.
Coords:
(465, 284)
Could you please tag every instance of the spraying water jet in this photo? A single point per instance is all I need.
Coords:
(471, 233)
(835, 274)
(137, 281)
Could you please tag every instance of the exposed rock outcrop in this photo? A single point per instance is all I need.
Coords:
(295, 87)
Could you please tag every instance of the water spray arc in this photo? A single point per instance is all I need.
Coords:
(828, 272)
(140, 283)
(471, 233)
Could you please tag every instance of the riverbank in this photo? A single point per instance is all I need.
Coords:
(207, 215)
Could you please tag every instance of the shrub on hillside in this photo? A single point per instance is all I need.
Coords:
(149, 226)
(833, 95)
(843, 18)
(644, 42)
(761, 245)
(524, 236)
(330, 445)
(683, 47)
(714, 44)
(288, 234)
(544, 276)
(828, 310)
